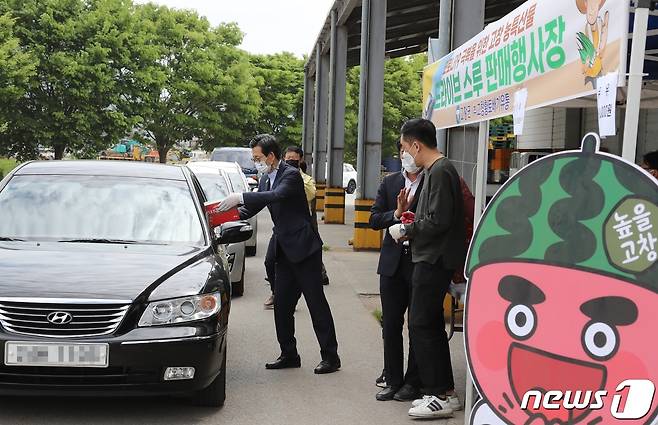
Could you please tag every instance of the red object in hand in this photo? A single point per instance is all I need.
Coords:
(216, 217)
(408, 217)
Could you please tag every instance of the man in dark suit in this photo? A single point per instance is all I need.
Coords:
(298, 254)
(396, 195)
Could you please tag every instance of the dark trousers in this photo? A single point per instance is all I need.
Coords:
(395, 295)
(430, 283)
(270, 263)
(293, 280)
(270, 266)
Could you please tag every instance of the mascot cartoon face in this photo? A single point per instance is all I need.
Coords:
(563, 291)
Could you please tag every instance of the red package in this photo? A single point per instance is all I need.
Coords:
(408, 217)
(216, 217)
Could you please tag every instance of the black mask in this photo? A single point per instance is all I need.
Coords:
(293, 163)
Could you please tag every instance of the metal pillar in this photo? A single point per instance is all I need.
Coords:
(371, 107)
(480, 204)
(308, 111)
(320, 119)
(445, 46)
(335, 194)
(633, 97)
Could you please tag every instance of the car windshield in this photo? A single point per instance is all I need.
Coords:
(241, 157)
(214, 186)
(101, 209)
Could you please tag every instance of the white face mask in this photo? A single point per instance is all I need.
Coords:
(408, 163)
(262, 167)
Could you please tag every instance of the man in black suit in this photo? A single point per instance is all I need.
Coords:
(396, 195)
(298, 254)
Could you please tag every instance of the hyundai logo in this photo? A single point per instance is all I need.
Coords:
(59, 317)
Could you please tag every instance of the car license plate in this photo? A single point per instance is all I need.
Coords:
(55, 354)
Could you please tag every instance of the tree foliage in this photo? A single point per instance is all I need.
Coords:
(78, 75)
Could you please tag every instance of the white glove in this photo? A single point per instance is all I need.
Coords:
(397, 231)
(231, 201)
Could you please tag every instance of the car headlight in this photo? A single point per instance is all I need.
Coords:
(180, 310)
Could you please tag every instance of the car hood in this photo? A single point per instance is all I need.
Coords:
(108, 272)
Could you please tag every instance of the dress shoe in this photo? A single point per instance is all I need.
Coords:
(387, 393)
(285, 363)
(327, 366)
(407, 393)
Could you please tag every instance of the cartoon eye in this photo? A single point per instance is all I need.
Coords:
(600, 340)
(521, 321)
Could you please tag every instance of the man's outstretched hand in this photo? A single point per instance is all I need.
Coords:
(230, 202)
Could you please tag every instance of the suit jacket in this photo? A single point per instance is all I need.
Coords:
(286, 201)
(382, 217)
(438, 233)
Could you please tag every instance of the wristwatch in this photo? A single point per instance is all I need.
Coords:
(403, 230)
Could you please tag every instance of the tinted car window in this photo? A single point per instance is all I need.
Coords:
(90, 207)
(241, 157)
(236, 181)
(214, 186)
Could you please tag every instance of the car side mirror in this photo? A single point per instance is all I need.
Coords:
(233, 232)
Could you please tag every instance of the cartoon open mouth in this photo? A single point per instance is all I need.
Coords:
(533, 369)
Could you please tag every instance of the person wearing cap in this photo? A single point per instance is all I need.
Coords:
(396, 195)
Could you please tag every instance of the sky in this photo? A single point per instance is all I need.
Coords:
(270, 26)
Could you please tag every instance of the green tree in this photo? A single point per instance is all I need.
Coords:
(16, 69)
(280, 79)
(73, 100)
(192, 83)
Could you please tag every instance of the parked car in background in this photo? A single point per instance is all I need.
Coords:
(239, 183)
(216, 186)
(243, 157)
(113, 282)
(349, 178)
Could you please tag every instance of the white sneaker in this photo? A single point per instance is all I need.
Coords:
(455, 404)
(432, 407)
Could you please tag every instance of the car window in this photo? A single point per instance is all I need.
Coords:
(236, 181)
(53, 208)
(214, 186)
(243, 158)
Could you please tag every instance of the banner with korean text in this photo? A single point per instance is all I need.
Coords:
(556, 49)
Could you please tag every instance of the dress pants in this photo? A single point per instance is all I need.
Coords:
(270, 263)
(395, 294)
(430, 283)
(293, 280)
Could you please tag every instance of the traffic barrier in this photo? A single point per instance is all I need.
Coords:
(334, 205)
(365, 239)
(320, 189)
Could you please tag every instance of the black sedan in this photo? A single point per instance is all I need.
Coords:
(112, 282)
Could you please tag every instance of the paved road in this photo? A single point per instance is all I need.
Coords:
(256, 395)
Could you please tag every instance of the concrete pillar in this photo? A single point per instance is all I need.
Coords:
(335, 194)
(308, 119)
(320, 124)
(371, 109)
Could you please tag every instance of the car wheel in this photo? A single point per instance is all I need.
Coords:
(238, 287)
(214, 394)
(250, 251)
(351, 187)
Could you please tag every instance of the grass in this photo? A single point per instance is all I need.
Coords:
(378, 315)
(6, 165)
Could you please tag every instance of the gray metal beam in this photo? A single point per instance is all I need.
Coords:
(371, 97)
(321, 119)
(337, 94)
(445, 45)
(308, 119)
